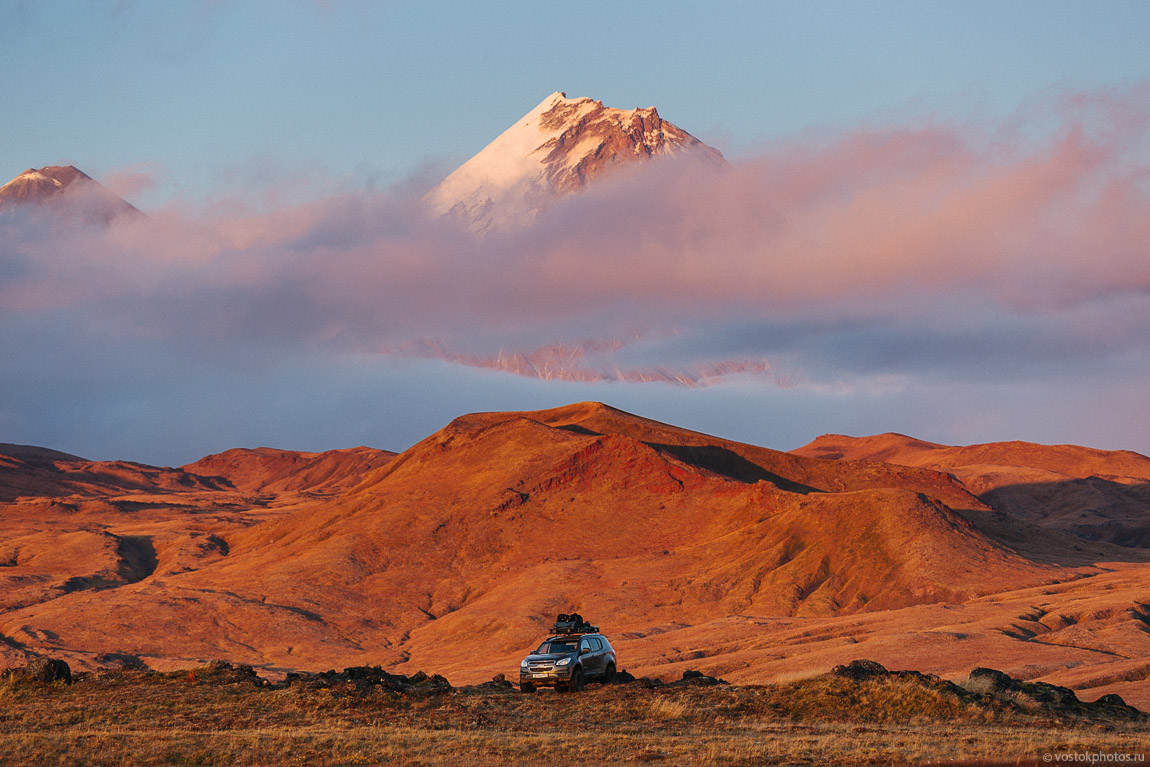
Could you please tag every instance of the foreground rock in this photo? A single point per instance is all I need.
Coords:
(363, 678)
(996, 689)
(859, 691)
(39, 671)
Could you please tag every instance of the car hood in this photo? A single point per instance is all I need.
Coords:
(550, 656)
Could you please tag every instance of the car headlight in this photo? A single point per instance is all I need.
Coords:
(563, 662)
(523, 663)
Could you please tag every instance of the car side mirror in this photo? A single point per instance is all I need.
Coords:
(584, 650)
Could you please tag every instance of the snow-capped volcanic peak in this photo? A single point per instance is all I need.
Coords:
(37, 184)
(556, 148)
(66, 190)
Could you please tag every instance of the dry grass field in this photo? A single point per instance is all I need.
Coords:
(222, 715)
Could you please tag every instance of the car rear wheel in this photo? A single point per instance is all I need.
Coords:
(609, 676)
(576, 683)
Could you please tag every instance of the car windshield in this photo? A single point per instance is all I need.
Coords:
(558, 646)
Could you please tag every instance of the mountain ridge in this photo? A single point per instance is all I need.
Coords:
(1091, 493)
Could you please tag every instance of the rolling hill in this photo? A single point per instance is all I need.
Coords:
(454, 556)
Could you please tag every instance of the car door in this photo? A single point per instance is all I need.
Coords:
(608, 654)
(593, 661)
(587, 656)
(600, 656)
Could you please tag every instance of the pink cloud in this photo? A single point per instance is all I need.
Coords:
(868, 218)
(932, 225)
(130, 181)
(587, 362)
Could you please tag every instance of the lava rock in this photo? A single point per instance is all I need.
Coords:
(1050, 694)
(859, 670)
(40, 671)
(1112, 705)
(692, 678)
(992, 679)
(650, 683)
(498, 683)
(1113, 699)
(225, 672)
(363, 678)
(122, 660)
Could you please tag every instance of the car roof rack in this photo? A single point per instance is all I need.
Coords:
(572, 623)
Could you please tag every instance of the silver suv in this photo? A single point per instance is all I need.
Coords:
(568, 660)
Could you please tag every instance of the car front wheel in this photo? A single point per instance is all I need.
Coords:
(576, 683)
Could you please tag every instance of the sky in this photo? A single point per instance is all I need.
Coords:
(934, 222)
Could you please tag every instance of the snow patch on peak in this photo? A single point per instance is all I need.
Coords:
(36, 176)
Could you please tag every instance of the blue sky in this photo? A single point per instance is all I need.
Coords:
(221, 96)
(970, 265)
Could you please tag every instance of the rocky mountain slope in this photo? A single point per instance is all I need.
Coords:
(455, 555)
(555, 149)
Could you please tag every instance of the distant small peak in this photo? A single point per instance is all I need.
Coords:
(42, 185)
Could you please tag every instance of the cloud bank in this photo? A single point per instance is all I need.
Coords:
(871, 260)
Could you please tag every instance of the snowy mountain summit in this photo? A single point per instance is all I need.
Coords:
(555, 149)
(67, 190)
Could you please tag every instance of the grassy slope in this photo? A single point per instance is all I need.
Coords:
(225, 717)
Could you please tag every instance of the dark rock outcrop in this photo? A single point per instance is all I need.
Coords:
(40, 671)
(692, 678)
(498, 683)
(860, 669)
(366, 677)
(222, 671)
(988, 685)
